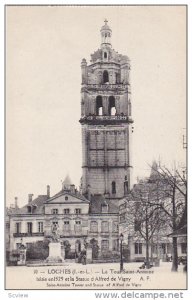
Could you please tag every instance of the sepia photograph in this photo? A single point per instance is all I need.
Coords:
(96, 147)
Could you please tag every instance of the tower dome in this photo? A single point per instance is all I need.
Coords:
(66, 183)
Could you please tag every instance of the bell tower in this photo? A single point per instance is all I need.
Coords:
(106, 121)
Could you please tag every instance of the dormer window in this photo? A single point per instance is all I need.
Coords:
(105, 54)
(66, 198)
(104, 208)
(29, 209)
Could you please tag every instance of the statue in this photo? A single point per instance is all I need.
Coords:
(55, 254)
(55, 233)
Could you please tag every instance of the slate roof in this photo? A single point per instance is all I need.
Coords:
(37, 203)
(96, 204)
(182, 226)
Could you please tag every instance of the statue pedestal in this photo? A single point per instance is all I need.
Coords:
(89, 257)
(22, 258)
(54, 253)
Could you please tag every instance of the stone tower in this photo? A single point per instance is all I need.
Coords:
(106, 121)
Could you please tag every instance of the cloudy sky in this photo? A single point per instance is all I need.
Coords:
(45, 46)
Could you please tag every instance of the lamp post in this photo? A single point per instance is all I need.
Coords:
(121, 252)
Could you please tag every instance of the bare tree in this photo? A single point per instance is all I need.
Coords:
(144, 213)
(156, 204)
(173, 203)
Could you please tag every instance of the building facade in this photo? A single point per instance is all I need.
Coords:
(99, 212)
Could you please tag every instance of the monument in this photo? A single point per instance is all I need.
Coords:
(55, 248)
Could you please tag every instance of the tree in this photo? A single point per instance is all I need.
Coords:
(156, 204)
(173, 203)
(144, 214)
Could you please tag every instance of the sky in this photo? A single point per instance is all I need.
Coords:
(44, 49)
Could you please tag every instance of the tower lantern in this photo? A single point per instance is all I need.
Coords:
(106, 35)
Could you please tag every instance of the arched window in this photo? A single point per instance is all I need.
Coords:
(113, 187)
(105, 54)
(99, 106)
(112, 108)
(126, 186)
(105, 77)
(78, 246)
(117, 77)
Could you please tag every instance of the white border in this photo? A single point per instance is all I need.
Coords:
(4, 294)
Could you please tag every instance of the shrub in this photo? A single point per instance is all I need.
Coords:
(38, 250)
(109, 255)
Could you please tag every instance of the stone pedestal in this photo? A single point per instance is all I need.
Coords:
(22, 257)
(55, 255)
(89, 258)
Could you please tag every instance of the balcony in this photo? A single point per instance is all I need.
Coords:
(26, 234)
(105, 233)
(107, 86)
(93, 119)
(93, 233)
(70, 233)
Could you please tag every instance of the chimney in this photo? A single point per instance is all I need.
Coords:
(48, 191)
(30, 198)
(16, 202)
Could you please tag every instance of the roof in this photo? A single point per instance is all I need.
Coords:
(182, 226)
(106, 26)
(183, 220)
(96, 204)
(37, 203)
(179, 232)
